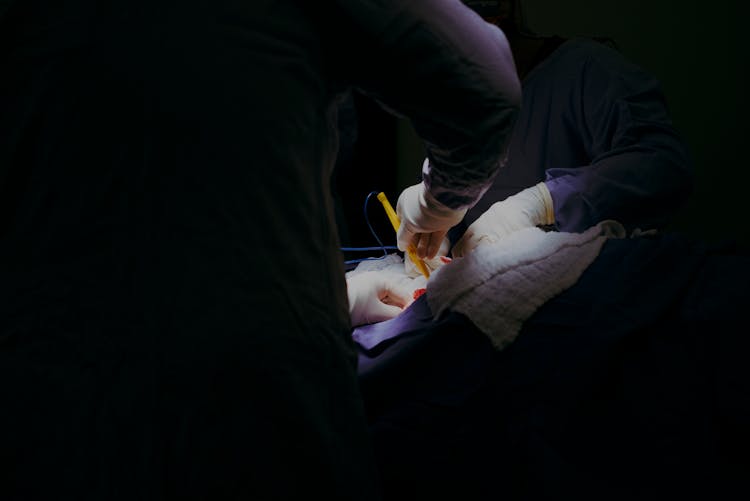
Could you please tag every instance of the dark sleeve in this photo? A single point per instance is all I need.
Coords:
(452, 74)
(640, 172)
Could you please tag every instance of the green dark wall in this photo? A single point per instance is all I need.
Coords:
(698, 50)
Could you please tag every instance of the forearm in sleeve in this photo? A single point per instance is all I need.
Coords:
(452, 75)
(640, 171)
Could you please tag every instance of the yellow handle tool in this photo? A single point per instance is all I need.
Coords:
(411, 251)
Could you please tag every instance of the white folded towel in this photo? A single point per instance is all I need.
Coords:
(500, 285)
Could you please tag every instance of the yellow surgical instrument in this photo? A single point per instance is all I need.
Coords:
(411, 251)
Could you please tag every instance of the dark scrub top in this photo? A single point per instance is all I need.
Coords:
(173, 317)
(596, 129)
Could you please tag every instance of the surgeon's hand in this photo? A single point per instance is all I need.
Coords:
(424, 221)
(373, 297)
(440, 260)
(528, 208)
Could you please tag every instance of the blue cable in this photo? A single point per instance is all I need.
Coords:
(384, 248)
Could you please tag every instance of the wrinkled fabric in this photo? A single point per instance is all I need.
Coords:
(464, 140)
(596, 129)
(173, 314)
(500, 285)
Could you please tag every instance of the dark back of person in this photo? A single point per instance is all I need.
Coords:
(167, 262)
(165, 142)
(173, 312)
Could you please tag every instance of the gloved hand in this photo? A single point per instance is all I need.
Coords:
(433, 264)
(528, 208)
(424, 221)
(373, 297)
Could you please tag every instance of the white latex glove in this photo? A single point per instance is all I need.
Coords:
(424, 221)
(440, 260)
(373, 297)
(531, 207)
